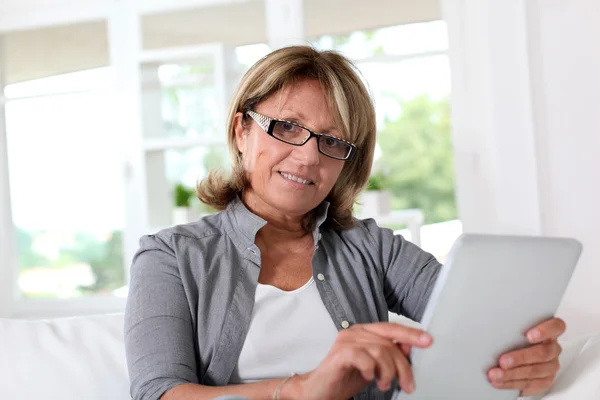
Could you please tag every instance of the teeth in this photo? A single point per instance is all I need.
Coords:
(295, 178)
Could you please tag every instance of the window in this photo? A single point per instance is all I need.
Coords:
(187, 137)
(248, 55)
(66, 176)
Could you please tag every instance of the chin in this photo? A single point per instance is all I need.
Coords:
(291, 204)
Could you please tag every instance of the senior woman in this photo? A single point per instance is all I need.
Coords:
(283, 293)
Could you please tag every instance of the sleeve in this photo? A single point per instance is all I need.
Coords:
(159, 342)
(409, 272)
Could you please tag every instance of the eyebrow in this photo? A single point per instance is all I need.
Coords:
(301, 117)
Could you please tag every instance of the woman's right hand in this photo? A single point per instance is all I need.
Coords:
(359, 355)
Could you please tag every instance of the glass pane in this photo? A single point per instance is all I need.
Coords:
(250, 54)
(391, 82)
(189, 166)
(414, 149)
(417, 160)
(74, 82)
(190, 105)
(395, 40)
(189, 95)
(200, 70)
(67, 195)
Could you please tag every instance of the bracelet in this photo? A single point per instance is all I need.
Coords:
(277, 393)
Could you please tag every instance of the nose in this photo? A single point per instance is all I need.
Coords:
(308, 153)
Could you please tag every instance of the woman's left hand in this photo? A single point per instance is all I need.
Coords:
(533, 369)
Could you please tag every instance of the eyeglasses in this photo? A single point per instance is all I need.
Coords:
(297, 135)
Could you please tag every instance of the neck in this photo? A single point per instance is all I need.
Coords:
(280, 227)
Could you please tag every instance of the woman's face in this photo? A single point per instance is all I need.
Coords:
(273, 166)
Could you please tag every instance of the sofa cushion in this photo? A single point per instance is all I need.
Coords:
(579, 376)
(67, 359)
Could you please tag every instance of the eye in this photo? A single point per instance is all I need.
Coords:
(286, 126)
(331, 142)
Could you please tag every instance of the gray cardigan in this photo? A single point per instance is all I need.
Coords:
(192, 292)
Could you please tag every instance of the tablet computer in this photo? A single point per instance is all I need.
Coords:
(490, 292)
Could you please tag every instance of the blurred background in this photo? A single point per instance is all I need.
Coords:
(67, 157)
(112, 110)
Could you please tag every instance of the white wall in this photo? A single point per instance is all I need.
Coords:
(31, 14)
(569, 142)
(526, 120)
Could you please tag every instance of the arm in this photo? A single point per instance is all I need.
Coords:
(255, 391)
(159, 333)
(159, 342)
(360, 354)
(409, 272)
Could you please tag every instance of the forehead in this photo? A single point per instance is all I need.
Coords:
(298, 92)
(304, 100)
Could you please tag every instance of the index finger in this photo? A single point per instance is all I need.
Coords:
(401, 334)
(550, 329)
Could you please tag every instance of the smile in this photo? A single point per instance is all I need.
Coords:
(295, 178)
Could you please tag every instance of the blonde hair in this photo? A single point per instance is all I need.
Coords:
(349, 102)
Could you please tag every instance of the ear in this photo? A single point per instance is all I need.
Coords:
(240, 131)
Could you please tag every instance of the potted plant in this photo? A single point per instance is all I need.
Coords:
(375, 199)
(183, 211)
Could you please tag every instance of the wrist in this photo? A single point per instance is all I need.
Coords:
(294, 388)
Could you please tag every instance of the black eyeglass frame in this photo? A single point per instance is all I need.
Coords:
(268, 125)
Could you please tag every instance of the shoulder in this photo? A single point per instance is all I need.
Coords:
(366, 231)
(365, 239)
(210, 226)
(382, 243)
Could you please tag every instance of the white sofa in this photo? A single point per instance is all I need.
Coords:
(83, 358)
(79, 358)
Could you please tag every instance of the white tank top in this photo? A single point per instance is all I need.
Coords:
(289, 332)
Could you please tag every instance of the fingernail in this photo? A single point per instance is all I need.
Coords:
(508, 362)
(498, 374)
(411, 386)
(424, 338)
(534, 335)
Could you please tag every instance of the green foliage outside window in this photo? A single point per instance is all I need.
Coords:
(103, 255)
(28, 257)
(182, 195)
(376, 182)
(106, 261)
(418, 158)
